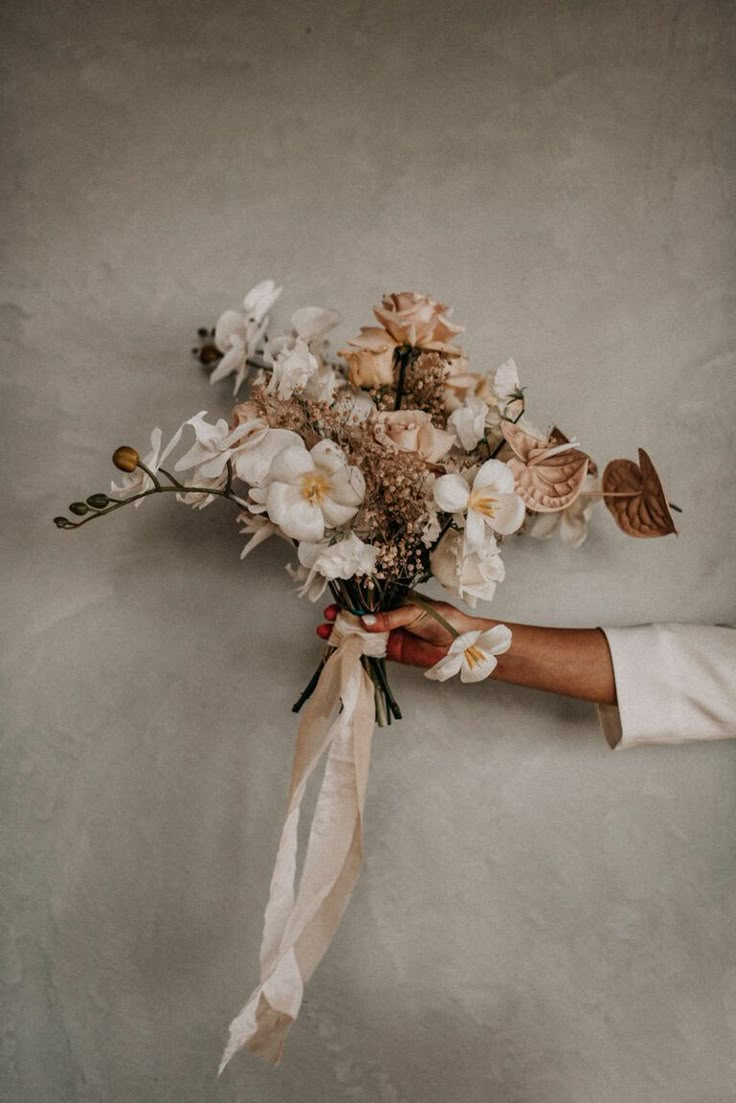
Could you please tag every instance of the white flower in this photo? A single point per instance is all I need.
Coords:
(207, 459)
(471, 576)
(292, 369)
(572, 522)
(488, 501)
(238, 335)
(138, 481)
(338, 559)
(472, 655)
(258, 528)
(469, 422)
(255, 453)
(297, 360)
(310, 491)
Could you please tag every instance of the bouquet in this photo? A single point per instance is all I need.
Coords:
(384, 465)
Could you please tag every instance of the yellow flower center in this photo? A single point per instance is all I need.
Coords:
(314, 488)
(473, 656)
(483, 503)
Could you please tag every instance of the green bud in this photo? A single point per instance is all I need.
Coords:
(98, 501)
(80, 508)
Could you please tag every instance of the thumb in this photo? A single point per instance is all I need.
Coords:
(387, 622)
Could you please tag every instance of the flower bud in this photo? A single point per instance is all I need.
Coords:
(98, 501)
(80, 508)
(125, 458)
(63, 523)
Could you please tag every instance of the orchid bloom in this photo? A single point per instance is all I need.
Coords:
(259, 528)
(489, 501)
(472, 655)
(297, 360)
(307, 492)
(238, 335)
(137, 482)
(337, 559)
(469, 422)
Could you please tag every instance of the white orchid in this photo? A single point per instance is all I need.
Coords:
(472, 655)
(238, 334)
(256, 450)
(469, 422)
(471, 576)
(292, 369)
(488, 501)
(571, 523)
(259, 528)
(208, 457)
(308, 492)
(334, 559)
(137, 482)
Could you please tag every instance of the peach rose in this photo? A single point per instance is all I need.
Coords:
(414, 319)
(413, 431)
(370, 358)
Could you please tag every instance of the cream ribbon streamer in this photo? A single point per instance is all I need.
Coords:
(297, 930)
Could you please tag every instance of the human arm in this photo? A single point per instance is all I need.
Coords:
(574, 662)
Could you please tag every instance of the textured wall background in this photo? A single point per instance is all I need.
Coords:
(539, 920)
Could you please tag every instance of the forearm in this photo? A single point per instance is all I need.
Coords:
(574, 662)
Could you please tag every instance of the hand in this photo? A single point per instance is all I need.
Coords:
(416, 638)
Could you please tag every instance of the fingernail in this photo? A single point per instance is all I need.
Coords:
(370, 620)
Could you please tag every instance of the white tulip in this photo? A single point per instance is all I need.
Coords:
(308, 492)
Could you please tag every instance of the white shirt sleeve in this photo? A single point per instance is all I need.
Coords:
(674, 683)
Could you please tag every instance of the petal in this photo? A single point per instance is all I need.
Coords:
(328, 456)
(475, 531)
(311, 322)
(509, 514)
(348, 486)
(336, 514)
(461, 642)
(573, 528)
(290, 464)
(451, 493)
(495, 640)
(497, 474)
(230, 325)
(543, 525)
(445, 668)
(299, 519)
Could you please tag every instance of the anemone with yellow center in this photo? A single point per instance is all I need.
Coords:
(309, 492)
(486, 498)
(472, 655)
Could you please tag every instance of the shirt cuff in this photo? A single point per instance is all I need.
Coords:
(674, 683)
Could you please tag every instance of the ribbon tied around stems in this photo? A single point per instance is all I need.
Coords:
(298, 926)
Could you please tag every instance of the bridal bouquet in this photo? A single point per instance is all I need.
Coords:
(384, 465)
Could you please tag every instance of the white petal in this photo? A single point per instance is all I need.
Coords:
(299, 519)
(508, 514)
(446, 668)
(543, 525)
(230, 329)
(495, 640)
(465, 639)
(290, 464)
(336, 514)
(573, 528)
(451, 493)
(495, 473)
(311, 322)
(327, 456)
(348, 486)
(476, 533)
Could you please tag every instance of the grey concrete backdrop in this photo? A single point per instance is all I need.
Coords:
(539, 920)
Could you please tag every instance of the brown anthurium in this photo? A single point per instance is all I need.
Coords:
(634, 495)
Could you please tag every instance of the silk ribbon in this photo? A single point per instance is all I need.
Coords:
(298, 928)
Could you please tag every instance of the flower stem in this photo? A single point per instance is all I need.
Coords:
(413, 598)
